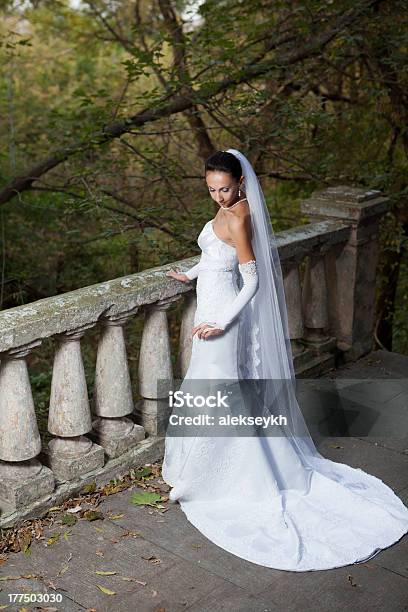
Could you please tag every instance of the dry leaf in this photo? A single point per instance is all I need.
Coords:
(51, 585)
(351, 580)
(74, 510)
(114, 517)
(105, 590)
(101, 573)
(25, 543)
(53, 539)
(93, 515)
(90, 488)
(152, 559)
(25, 576)
(63, 570)
(133, 580)
(134, 534)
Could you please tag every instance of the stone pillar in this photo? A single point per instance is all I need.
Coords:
(186, 340)
(113, 398)
(155, 368)
(23, 478)
(70, 454)
(351, 275)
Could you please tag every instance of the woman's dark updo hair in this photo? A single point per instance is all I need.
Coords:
(222, 161)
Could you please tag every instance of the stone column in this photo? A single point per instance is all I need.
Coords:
(113, 398)
(352, 273)
(186, 340)
(70, 454)
(23, 478)
(155, 368)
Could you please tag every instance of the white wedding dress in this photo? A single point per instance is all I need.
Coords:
(254, 496)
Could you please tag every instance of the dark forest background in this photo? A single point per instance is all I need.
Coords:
(109, 109)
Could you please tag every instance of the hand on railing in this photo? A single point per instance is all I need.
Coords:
(180, 276)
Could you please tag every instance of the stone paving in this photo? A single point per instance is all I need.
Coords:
(158, 562)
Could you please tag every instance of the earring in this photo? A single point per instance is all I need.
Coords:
(239, 193)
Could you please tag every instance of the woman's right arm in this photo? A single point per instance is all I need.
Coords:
(193, 272)
(185, 277)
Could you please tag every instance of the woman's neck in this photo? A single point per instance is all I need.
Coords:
(233, 205)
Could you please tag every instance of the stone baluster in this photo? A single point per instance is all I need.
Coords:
(23, 478)
(315, 304)
(113, 399)
(351, 275)
(293, 295)
(155, 368)
(70, 454)
(186, 340)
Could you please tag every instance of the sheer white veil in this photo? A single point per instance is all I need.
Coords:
(265, 350)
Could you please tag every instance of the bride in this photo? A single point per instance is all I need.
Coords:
(271, 499)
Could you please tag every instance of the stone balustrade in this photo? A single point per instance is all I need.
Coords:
(329, 269)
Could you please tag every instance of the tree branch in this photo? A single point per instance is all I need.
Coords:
(176, 103)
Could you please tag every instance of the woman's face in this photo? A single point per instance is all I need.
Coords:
(223, 187)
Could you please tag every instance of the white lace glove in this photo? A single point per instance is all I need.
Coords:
(193, 272)
(250, 277)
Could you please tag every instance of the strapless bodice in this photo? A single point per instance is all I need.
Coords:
(217, 283)
(216, 255)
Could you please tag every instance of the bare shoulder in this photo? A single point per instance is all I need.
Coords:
(240, 223)
(241, 232)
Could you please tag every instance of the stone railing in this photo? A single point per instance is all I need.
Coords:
(329, 271)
